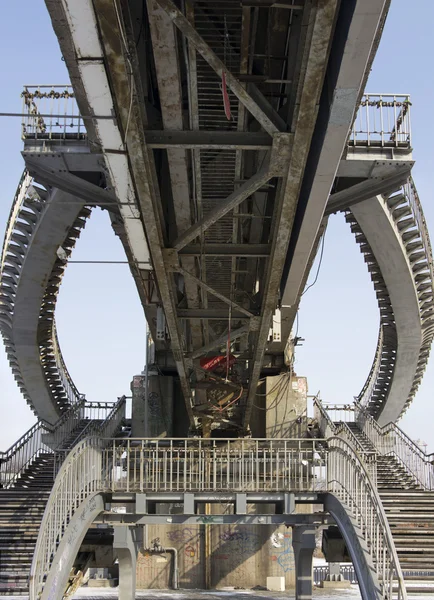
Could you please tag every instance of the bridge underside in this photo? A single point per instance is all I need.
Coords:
(224, 123)
(230, 149)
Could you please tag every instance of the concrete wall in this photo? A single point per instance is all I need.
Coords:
(240, 556)
(286, 407)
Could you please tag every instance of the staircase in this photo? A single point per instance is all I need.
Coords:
(22, 507)
(410, 513)
(21, 511)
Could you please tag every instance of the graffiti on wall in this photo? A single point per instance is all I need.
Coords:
(281, 551)
(243, 542)
(181, 536)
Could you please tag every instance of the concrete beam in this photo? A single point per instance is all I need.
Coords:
(131, 114)
(164, 47)
(357, 34)
(126, 520)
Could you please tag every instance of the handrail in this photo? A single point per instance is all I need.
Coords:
(78, 478)
(209, 464)
(66, 379)
(42, 437)
(416, 206)
(387, 440)
(348, 478)
(329, 428)
(382, 120)
(368, 389)
(390, 439)
(22, 453)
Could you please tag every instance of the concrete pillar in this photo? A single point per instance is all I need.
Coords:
(286, 406)
(154, 417)
(138, 408)
(127, 542)
(303, 543)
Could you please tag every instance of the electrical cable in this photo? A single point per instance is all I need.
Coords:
(121, 31)
(319, 266)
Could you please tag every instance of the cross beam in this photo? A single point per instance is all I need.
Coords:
(208, 140)
(279, 157)
(259, 112)
(251, 250)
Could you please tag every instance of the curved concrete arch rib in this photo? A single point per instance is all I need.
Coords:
(36, 249)
(370, 588)
(393, 237)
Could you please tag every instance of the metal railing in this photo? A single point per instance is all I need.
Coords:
(322, 573)
(412, 196)
(369, 387)
(173, 464)
(51, 113)
(78, 478)
(391, 440)
(332, 421)
(68, 385)
(387, 440)
(179, 465)
(349, 480)
(382, 120)
(104, 419)
(22, 454)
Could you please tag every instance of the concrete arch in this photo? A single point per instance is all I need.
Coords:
(392, 235)
(69, 546)
(368, 582)
(41, 222)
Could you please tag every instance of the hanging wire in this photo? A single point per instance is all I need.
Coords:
(319, 266)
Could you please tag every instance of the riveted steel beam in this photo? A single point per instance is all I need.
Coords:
(366, 190)
(315, 61)
(209, 313)
(67, 182)
(275, 167)
(208, 288)
(260, 109)
(168, 73)
(221, 341)
(208, 140)
(126, 91)
(251, 250)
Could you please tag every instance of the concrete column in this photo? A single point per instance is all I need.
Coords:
(153, 418)
(127, 543)
(286, 406)
(303, 543)
(138, 406)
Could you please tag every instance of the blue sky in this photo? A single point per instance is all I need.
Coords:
(100, 320)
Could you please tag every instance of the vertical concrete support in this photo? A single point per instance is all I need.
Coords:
(286, 407)
(303, 543)
(138, 406)
(127, 542)
(154, 417)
